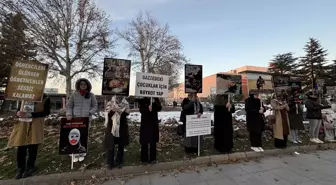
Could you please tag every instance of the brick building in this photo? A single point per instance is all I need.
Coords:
(249, 74)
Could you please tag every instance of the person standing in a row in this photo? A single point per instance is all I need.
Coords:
(149, 129)
(295, 115)
(314, 115)
(223, 129)
(27, 134)
(191, 106)
(116, 132)
(82, 103)
(281, 126)
(255, 122)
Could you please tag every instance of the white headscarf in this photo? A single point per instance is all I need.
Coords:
(118, 109)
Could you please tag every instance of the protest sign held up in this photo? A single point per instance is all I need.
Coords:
(151, 85)
(27, 81)
(73, 136)
(116, 77)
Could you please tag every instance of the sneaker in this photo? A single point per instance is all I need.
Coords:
(255, 149)
(299, 141)
(75, 159)
(261, 149)
(313, 140)
(295, 142)
(332, 140)
(319, 141)
(81, 159)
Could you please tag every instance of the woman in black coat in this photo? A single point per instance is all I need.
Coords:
(223, 129)
(149, 129)
(255, 121)
(191, 106)
(110, 141)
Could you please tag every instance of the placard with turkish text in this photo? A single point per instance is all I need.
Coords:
(27, 81)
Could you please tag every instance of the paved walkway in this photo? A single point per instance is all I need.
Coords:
(305, 169)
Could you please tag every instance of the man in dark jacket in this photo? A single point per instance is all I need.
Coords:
(255, 122)
(314, 116)
(149, 129)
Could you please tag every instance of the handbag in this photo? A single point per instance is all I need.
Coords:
(271, 118)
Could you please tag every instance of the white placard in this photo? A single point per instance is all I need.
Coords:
(198, 126)
(151, 85)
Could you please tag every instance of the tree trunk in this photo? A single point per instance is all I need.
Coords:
(5, 106)
(68, 85)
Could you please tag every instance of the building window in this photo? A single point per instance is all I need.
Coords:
(213, 90)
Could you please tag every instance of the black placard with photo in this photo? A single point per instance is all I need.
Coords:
(193, 82)
(74, 136)
(228, 84)
(116, 77)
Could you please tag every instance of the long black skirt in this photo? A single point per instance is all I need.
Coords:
(278, 143)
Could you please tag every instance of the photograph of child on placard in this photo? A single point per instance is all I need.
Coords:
(116, 77)
(228, 84)
(193, 78)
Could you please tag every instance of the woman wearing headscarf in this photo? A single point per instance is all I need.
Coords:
(314, 116)
(295, 118)
(223, 129)
(281, 126)
(149, 128)
(116, 132)
(191, 106)
(27, 134)
(254, 119)
(82, 103)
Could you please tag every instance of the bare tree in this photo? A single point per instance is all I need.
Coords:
(154, 48)
(72, 35)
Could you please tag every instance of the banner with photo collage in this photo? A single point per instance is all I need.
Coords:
(116, 77)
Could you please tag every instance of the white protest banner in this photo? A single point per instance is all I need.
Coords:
(151, 85)
(198, 126)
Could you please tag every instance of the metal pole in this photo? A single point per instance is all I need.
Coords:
(72, 159)
(199, 146)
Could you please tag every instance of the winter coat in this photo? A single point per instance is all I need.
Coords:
(149, 128)
(109, 139)
(295, 114)
(82, 106)
(188, 109)
(29, 133)
(278, 127)
(254, 120)
(314, 109)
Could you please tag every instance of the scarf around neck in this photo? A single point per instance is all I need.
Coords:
(118, 109)
(196, 107)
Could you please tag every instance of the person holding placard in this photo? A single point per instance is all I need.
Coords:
(295, 117)
(82, 103)
(223, 129)
(191, 106)
(149, 129)
(255, 122)
(27, 134)
(116, 132)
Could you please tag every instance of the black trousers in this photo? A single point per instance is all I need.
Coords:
(255, 139)
(152, 152)
(278, 143)
(120, 155)
(22, 154)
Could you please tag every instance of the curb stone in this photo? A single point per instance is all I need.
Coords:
(219, 158)
(135, 170)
